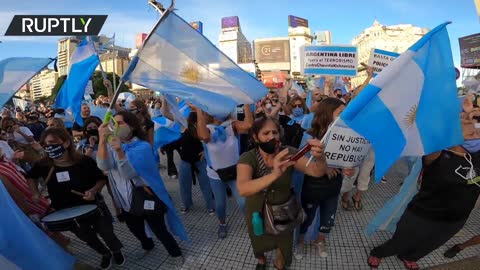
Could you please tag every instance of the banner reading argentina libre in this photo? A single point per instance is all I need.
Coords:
(330, 60)
(380, 59)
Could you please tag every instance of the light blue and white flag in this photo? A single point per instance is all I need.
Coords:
(20, 103)
(411, 107)
(165, 132)
(23, 244)
(82, 64)
(17, 71)
(339, 84)
(179, 110)
(178, 60)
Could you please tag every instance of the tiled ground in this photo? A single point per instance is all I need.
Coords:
(348, 246)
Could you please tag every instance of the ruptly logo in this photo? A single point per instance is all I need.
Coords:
(56, 25)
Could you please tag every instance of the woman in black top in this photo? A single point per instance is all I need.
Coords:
(67, 170)
(193, 165)
(447, 196)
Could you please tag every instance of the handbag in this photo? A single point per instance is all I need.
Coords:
(280, 218)
(145, 202)
(227, 174)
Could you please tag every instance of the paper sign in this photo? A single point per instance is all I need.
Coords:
(380, 59)
(148, 205)
(63, 177)
(330, 60)
(344, 148)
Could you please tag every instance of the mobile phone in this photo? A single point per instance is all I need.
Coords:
(300, 153)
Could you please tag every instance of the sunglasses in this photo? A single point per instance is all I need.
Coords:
(297, 106)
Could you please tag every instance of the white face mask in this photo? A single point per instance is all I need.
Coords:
(268, 106)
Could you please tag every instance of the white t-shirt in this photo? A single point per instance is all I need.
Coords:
(7, 151)
(222, 154)
(19, 138)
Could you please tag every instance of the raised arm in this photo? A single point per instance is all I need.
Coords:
(103, 155)
(243, 127)
(365, 83)
(202, 130)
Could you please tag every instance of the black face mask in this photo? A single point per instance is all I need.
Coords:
(339, 95)
(268, 147)
(91, 132)
(55, 151)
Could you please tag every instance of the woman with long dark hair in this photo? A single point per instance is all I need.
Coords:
(65, 170)
(128, 158)
(322, 192)
(140, 110)
(265, 174)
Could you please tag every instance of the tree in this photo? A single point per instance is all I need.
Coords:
(57, 87)
(99, 88)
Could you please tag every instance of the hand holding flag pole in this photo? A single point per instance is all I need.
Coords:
(134, 62)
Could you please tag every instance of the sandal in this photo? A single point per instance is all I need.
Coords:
(374, 262)
(347, 205)
(357, 205)
(410, 265)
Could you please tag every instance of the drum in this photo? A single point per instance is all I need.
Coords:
(68, 218)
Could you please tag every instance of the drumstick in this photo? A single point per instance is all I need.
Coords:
(77, 193)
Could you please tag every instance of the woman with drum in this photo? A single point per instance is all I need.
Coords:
(74, 183)
(136, 184)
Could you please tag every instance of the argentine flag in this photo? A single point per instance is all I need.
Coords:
(82, 64)
(17, 71)
(176, 59)
(411, 107)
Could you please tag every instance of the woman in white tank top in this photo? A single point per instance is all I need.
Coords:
(222, 153)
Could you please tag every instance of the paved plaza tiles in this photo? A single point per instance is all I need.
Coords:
(348, 247)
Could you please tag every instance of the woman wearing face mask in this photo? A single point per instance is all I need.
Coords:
(222, 153)
(292, 124)
(157, 109)
(66, 170)
(140, 110)
(267, 168)
(321, 192)
(128, 159)
(89, 145)
(448, 193)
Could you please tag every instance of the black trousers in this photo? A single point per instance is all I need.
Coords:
(89, 230)
(157, 224)
(417, 236)
(169, 148)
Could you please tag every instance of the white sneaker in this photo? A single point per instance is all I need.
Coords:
(179, 261)
(321, 249)
(299, 251)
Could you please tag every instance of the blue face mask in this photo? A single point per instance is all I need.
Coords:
(472, 146)
(297, 112)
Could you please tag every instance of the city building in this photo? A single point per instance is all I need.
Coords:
(66, 47)
(299, 36)
(233, 43)
(272, 54)
(115, 61)
(41, 85)
(393, 38)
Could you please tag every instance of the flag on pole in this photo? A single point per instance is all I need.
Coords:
(17, 71)
(23, 244)
(339, 84)
(82, 64)
(411, 107)
(176, 59)
(180, 111)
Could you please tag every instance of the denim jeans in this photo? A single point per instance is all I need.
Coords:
(185, 179)
(328, 210)
(219, 189)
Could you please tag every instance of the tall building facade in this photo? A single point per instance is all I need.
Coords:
(41, 85)
(115, 61)
(233, 43)
(66, 47)
(299, 36)
(394, 38)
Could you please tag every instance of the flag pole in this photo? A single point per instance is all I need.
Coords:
(108, 115)
(104, 75)
(114, 67)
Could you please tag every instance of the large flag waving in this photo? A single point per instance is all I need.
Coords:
(82, 64)
(178, 60)
(24, 244)
(15, 72)
(411, 107)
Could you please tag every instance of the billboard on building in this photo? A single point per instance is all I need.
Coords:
(230, 22)
(198, 26)
(294, 21)
(140, 39)
(274, 79)
(470, 51)
(272, 50)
